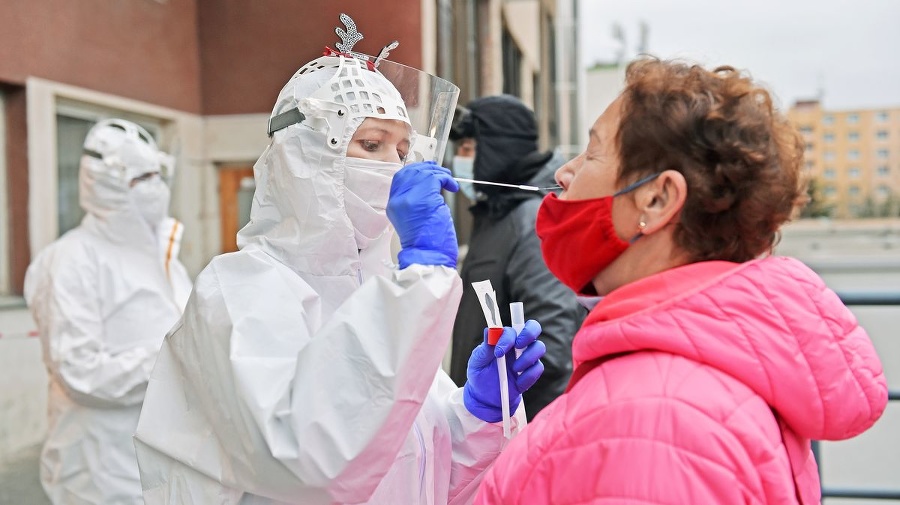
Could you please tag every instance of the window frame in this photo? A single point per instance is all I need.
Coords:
(5, 267)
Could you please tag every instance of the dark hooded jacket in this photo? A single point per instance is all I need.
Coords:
(504, 248)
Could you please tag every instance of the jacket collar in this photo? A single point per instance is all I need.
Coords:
(771, 323)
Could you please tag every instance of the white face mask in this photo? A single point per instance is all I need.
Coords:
(463, 166)
(368, 185)
(151, 199)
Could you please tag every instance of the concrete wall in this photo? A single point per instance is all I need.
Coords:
(601, 86)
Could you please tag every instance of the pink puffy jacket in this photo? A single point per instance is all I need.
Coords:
(700, 385)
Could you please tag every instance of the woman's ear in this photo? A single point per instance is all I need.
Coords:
(661, 200)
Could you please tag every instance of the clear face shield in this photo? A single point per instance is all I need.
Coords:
(430, 102)
(352, 90)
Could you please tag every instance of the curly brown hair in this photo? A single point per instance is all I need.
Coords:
(740, 157)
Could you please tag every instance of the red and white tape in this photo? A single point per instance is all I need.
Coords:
(18, 335)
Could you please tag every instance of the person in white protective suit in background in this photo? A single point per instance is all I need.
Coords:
(103, 296)
(306, 367)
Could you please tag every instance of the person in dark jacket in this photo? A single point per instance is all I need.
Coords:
(503, 247)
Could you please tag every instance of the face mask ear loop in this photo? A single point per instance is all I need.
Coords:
(632, 187)
(635, 185)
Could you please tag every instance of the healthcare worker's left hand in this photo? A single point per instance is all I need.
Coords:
(481, 394)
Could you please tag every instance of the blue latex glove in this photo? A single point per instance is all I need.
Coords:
(421, 217)
(481, 394)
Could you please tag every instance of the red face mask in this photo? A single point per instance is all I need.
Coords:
(578, 239)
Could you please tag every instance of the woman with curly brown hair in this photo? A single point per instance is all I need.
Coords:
(708, 365)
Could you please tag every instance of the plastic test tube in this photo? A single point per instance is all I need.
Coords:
(493, 337)
(517, 315)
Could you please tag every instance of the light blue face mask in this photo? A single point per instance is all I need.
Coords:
(463, 166)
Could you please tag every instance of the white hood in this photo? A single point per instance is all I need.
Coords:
(298, 206)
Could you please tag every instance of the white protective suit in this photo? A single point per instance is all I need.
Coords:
(306, 367)
(103, 297)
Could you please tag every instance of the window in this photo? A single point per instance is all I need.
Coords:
(853, 172)
(881, 135)
(467, 58)
(853, 190)
(853, 136)
(883, 191)
(882, 116)
(70, 134)
(553, 83)
(810, 165)
(884, 171)
(236, 186)
(829, 138)
(806, 129)
(828, 119)
(512, 65)
(810, 146)
(852, 118)
(853, 154)
(882, 154)
(829, 191)
(828, 173)
(829, 155)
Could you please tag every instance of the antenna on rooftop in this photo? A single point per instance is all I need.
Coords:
(619, 35)
(643, 35)
(820, 86)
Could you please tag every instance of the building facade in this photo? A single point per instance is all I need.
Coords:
(202, 76)
(527, 48)
(853, 159)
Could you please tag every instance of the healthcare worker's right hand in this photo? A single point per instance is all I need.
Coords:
(422, 219)
(481, 394)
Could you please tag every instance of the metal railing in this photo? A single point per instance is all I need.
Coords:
(862, 298)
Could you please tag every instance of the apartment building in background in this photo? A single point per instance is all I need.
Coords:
(853, 158)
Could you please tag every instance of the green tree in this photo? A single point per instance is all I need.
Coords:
(890, 207)
(817, 206)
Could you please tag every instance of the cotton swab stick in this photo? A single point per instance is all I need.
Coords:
(518, 186)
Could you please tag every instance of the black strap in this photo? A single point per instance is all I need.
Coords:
(93, 154)
(285, 119)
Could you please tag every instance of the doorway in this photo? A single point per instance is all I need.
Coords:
(236, 187)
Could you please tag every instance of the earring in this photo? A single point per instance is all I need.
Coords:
(642, 224)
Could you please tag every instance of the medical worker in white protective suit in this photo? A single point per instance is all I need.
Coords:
(103, 296)
(306, 367)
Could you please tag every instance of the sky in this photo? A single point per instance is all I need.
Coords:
(850, 50)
